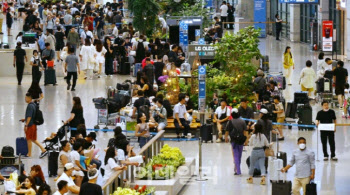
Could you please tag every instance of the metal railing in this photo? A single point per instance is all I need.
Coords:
(149, 150)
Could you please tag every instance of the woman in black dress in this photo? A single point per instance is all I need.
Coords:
(9, 21)
(108, 56)
(77, 115)
(59, 35)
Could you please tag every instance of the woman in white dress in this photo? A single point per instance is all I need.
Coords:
(100, 57)
(87, 58)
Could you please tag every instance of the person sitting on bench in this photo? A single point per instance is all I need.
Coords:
(180, 118)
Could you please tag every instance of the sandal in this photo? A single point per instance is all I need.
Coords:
(263, 182)
(250, 180)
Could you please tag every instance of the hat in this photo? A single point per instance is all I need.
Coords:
(92, 135)
(235, 110)
(263, 111)
(69, 166)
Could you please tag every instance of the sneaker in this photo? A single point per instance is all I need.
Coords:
(72, 89)
(218, 140)
(281, 139)
(325, 158)
(43, 154)
(68, 86)
(334, 158)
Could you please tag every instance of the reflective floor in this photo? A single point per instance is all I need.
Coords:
(331, 177)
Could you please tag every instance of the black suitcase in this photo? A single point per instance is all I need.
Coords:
(283, 156)
(53, 163)
(291, 110)
(125, 68)
(311, 188)
(206, 132)
(301, 97)
(50, 76)
(265, 63)
(281, 187)
(305, 117)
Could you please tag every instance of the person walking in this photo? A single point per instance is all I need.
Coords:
(59, 36)
(327, 116)
(307, 78)
(223, 13)
(108, 56)
(2, 16)
(77, 115)
(238, 125)
(100, 57)
(258, 141)
(278, 26)
(37, 66)
(279, 110)
(230, 15)
(304, 161)
(9, 21)
(30, 129)
(288, 65)
(340, 77)
(73, 39)
(265, 122)
(72, 68)
(18, 61)
(87, 58)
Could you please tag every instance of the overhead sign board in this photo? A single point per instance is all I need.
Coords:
(300, 1)
(260, 16)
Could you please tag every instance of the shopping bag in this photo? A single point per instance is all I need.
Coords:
(311, 188)
(50, 63)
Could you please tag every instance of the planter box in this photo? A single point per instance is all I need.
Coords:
(172, 186)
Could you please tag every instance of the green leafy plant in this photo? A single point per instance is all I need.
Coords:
(145, 15)
(235, 53)
(195, 10)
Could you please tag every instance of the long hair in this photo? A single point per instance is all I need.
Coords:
(285, 51)
(32, 181)
(258, 130)
(38, 169)
(109, 154)
(123, 144)
(87, 42)
(98, 45)
(321, 56)
(34, 87)
(105, 43)
(77, 103)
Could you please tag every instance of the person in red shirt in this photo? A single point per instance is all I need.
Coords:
(148, 55)
(89, 22)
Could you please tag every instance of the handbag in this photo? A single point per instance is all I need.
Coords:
(311, 188)
(132, 53)
(50, 63)
(269, 151)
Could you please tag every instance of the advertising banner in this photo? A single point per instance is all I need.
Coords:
(300, 1)
(327, 35)
(260, 16)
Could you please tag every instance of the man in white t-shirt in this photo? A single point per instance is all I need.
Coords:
(163, 23)
(222, 114)
(223, 13)
(66, 176)
(86, 34)
(62, 188)
(180, 117)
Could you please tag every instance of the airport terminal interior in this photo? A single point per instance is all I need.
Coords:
(218, 175)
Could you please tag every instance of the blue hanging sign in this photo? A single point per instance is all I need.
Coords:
(300, 1)
(209, 3)
(260, 16)
(198, 33)
(201, 41)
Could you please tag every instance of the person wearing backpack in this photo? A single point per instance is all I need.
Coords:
(30, 128)
(235, 128)
(265, 122)
(141, 104)
(140, 49)
(259, 83)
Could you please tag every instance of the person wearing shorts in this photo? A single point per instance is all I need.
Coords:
(30, 128)
(59, 36)
(340, 77)
(279, 110)
(308, 78)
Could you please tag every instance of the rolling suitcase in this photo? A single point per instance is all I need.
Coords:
(206, 132)
(137, 68)
(311, 188)
(301, 97)
(281, 187)
(50, 76)
(125, 68)
(291, 110)
(281, 155)
(53, 163)
(276, 163)
(21, 146)
(305, 117)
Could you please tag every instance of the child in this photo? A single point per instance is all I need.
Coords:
(83, 159)
(37, 66)
(346, 97)
(279, 110)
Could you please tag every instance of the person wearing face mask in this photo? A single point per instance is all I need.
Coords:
(304, 161)
(327, 116)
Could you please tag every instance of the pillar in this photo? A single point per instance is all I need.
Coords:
(323, 14)
(347, 31)
(295, 22)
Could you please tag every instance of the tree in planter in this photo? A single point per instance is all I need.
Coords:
(235, 53)
(145, 15)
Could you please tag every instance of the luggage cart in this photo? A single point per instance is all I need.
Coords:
(324, 91)
(10, 164)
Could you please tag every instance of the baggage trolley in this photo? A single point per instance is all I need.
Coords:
(324, 90)
(10, 164)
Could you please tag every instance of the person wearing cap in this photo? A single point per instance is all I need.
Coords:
(62, 188)
(67, 176)
(265, 122)
(236, 124)
(91, 187)
(221, 116)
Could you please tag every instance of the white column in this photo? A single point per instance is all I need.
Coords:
(347, 30)
(295, 22)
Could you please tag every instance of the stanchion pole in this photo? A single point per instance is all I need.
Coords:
(200, 178)
(317, 144)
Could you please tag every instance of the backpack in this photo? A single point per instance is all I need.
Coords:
(140, 52)
(236, 136)
(7, 151)
(256, 85)
(270, 108)
(38, 118)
